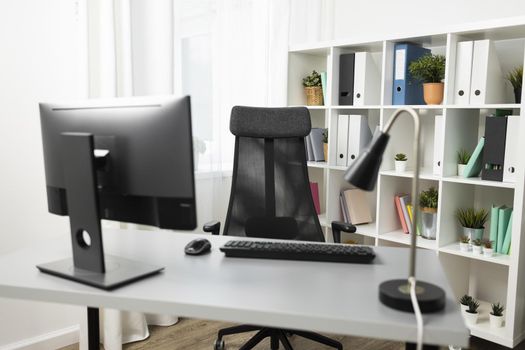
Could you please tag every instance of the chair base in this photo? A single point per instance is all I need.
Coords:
(277, 337)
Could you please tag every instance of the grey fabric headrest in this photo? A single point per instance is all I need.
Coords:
(270, 122)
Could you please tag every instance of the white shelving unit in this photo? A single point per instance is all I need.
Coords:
(500, 278)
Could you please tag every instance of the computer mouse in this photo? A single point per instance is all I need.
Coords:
(198, 246)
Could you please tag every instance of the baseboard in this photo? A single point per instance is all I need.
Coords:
(52, 340)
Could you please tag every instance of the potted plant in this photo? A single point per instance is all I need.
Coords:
(488, 249)
(430, 69)
(496, 316)
(471, 313)
(463, 302)
(428, 203)
(325, 144)
(313, 89)
(463, 158)
(515, 77)
(464, 243)
(401, 162)
(476, 246)
(472, 221)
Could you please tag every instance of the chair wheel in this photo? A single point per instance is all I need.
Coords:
(219, 345)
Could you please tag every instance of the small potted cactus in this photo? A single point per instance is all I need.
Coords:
(463, 302)
(496, 316)
(401, 162)
(471, 313)
(476, 246)
(464, 243)
(488, 248)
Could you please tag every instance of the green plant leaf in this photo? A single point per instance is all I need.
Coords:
(428, 68)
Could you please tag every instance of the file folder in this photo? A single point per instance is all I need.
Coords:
(487, 83)
(359, 135)
(511, 145)
(438, 145)
(346, 79)
(342, 139)
(367, 81)
(316, 136)
(463, 72)
(407, 90)
(494, 153)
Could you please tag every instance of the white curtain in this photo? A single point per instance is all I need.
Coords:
(144, 47)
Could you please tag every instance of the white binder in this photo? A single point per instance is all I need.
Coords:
(359, 135)
(367, 80)
(463, 72)
(487, 83)
(511, 146)
(438, 145)
(342, 139)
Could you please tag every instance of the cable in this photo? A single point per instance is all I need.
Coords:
(417, 311)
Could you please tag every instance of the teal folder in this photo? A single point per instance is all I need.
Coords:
(473, 167)
(503, 222)
(508, 236)
(494, 214)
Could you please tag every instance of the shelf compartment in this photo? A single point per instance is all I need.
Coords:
(399, 236)
(483, 330)
(478, 181)
(496, 259)
(299, 66)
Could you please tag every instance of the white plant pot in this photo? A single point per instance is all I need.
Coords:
(488, 252)
(471, 318)
(461, 169)
(464, 247)
(496, 321)
(476, 249)
(401, 166)
(463, 308)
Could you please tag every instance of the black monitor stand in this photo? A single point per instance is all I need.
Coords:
(89, 265)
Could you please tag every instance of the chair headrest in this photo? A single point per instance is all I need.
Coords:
(270, 122)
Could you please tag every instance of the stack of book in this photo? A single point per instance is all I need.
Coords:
(501, 228)
(314, 145)
(354, 207)
(404, 211)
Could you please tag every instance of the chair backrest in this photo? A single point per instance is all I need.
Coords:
(270, 195)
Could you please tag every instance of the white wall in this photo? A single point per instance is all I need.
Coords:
(380, 17)
(40, 59)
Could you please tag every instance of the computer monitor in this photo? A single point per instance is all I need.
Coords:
(128, 159)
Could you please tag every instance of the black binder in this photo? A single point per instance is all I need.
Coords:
(346, 79)
(494, 150)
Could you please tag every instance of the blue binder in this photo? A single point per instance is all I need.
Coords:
(407, 90)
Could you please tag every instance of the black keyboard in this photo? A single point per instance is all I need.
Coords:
(298, 251)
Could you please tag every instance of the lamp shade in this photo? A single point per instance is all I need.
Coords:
(365, 169)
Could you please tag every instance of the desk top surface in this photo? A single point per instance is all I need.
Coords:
(317, 296)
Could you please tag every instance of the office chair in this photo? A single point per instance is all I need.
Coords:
(270, 196)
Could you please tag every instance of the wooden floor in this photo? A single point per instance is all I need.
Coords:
(191, 334)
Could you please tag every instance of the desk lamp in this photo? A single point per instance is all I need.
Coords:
(363, 174)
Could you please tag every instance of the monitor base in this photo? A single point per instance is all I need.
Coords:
(119, 272)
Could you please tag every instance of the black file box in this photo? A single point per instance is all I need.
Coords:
(494, 150)
(346, 79)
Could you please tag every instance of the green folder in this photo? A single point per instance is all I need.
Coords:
(503, 222)
(494, 213)
(474, 165)
(508, 235)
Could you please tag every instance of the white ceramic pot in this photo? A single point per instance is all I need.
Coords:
(463, 308)
(401, 166)
(471, 318)
(488, 252)
(496, 321)
(476, 249)
(464, 247)
(461, 169)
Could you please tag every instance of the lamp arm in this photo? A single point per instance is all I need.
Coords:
(415, 179)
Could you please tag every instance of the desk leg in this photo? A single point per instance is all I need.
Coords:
(412, 346)
(93, 329)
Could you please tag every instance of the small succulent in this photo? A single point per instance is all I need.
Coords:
(464, 239)
(312, 80)
(515, 77)
(401, 157)
(497, 309)
(473, 306)
(463, 156)
(472, 218)
(465, 299)
(325, 136)
(477, 242)
(429, 198)
(488, 244)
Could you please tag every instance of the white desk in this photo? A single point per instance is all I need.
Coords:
(316, 296)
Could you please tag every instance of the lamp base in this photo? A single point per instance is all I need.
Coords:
(396, 294)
